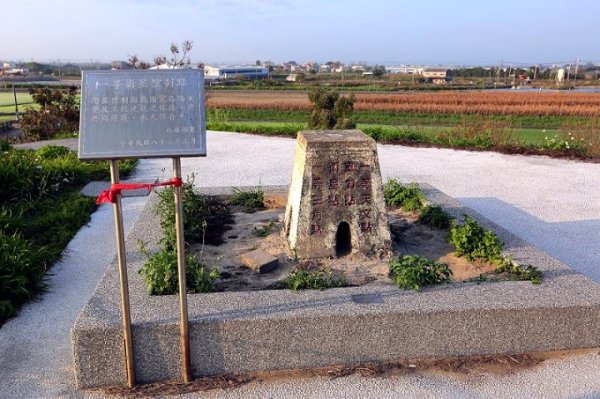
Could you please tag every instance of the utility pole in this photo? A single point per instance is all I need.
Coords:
(576, 66)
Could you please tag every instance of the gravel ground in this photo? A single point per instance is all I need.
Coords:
(550, 203)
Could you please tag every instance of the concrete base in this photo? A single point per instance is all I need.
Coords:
(269, 330)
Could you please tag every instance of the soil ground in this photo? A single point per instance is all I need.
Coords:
(263, 229)
(466, 368)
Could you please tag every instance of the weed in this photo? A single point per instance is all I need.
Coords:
(204, 219)
(415, 272)
(264, 230)
(520, 272)
(434, 215)
(313, 279)
(161, 277)
(251, 200)
(471, 241)
(408, 196)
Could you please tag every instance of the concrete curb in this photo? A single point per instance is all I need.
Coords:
(265, 330)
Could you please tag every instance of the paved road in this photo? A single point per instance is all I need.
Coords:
(551, 203)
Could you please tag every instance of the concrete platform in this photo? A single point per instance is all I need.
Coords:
(252, 331)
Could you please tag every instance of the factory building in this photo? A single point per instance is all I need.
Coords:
(224, 73)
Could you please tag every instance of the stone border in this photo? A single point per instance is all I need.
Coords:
(275, 330)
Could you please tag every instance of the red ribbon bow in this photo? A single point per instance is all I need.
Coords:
(115, 189)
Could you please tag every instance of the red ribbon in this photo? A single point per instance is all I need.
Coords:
(115, 189)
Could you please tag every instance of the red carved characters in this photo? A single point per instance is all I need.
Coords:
(344, 185)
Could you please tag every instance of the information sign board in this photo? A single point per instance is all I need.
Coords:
(142, 114)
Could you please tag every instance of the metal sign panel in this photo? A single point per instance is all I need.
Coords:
(142, 114)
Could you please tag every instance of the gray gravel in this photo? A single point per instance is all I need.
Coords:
(552, 204)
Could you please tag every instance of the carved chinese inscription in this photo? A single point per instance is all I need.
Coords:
(346, 186)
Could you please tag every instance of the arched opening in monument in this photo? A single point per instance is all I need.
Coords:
(343, 242)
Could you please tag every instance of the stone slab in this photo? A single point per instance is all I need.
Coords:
(271, 330)
(260, 261)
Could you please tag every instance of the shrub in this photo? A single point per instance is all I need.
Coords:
(471, 241)
(329, 110)
(59, 112)
(313, 279)
(161, 277)
(250, 200)
(415, 272)
(408, 196)
(434, 215)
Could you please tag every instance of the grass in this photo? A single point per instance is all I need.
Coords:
(470, 137)
(7, 104)
(40, 212)
(313, 280)
(250, 200)
(526, 136)
(408, 119)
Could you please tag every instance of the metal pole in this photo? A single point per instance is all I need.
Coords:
(16, 102)
(183, 326)
(114, 178)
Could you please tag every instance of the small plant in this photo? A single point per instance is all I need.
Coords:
(520, 272)
(264, 230)
(203, 219)
(313, 280)
(408, 196)
(434, 215)
(415, 272)
(251, 200)
(471, 241)
(161, 278)
(565, 143)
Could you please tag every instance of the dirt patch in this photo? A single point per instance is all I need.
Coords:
(499, 365)
(263, 230)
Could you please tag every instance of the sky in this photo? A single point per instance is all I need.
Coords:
(426, 32)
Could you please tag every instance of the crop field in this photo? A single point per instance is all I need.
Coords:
(465, 103)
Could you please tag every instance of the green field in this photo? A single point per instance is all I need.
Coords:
(409, 119)
(7, 104)
(517, 136)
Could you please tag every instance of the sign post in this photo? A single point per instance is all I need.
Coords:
(144, 114)
(183, 324)
(119, 234)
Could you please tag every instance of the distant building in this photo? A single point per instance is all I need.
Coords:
(437, 75)
(410, 70)
(224, 73)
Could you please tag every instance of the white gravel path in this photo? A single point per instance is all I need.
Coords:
(553, 204)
